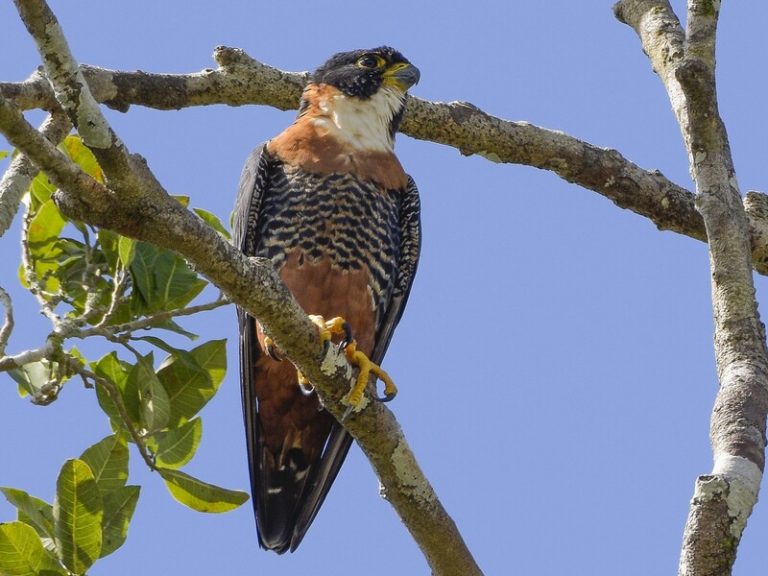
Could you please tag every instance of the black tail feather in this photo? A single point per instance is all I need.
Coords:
(287, 500)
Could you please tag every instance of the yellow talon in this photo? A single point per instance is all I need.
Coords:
(304, 384)
(337, 326)
(323, 329)
(271, 349)
(326, 331)
(354, 398)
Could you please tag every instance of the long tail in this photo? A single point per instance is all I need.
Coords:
(287, 500)
(295, 450)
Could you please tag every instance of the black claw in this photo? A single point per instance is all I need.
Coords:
(306, 390)
(347, 336)
(387, 397)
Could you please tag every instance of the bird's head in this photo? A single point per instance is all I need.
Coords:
(363, 92)
(363, 73)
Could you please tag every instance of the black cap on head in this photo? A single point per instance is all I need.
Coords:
(361, 73)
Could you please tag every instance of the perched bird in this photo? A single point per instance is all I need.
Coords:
(329, 203)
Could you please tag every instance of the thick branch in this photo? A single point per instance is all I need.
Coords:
(22, 171)
(72, 93)
(723, 501)
(47, 157)
(241, 80)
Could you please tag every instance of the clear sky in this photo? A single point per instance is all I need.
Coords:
(555, 362)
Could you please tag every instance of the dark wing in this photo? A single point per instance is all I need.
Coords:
(410, 246)
(253, 181)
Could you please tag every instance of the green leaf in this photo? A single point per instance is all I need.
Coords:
(40, 190)
(177, 284)
(76, 354)
(22, 553)
(108, 242)
(142, 264)
(160, 343)
(3, 154)
(212, 357)
(35, 512)
(200, 495)
(31, 377)
(126, 249)
(173, 449)
(77, 516)
(171, 326)
(212, 220)
(44, 230)
(46, 225)
(80, 154)
(118, 511)
(71, 261)
(116, 371)
(108, 460)
(163, 281)
(192, 379)
(154, 405)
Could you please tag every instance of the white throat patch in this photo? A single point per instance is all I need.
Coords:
(363, 123)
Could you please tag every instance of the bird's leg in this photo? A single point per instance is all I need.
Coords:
(354, 397)
(337, 326)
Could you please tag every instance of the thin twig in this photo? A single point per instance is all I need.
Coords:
(117, 400)
(5, 331)
(119, 282)
(150, 321)
(27, 357)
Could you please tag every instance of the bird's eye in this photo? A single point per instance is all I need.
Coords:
(368, 61)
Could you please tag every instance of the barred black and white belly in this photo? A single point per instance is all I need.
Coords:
(354, 224)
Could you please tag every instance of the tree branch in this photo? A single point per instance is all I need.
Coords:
(116, 330)
(8, 323)
(22, 171)
(137, 206)
(241, 80)
(722, 501)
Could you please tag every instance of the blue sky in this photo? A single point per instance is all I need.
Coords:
(555, 362)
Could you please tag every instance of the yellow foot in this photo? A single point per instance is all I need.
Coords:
(354, 398)
(327, 329)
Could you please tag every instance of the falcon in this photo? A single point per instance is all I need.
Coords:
(329, 203)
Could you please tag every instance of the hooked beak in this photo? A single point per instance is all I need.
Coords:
(401, 75)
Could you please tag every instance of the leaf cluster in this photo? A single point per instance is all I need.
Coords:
(94, 283)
